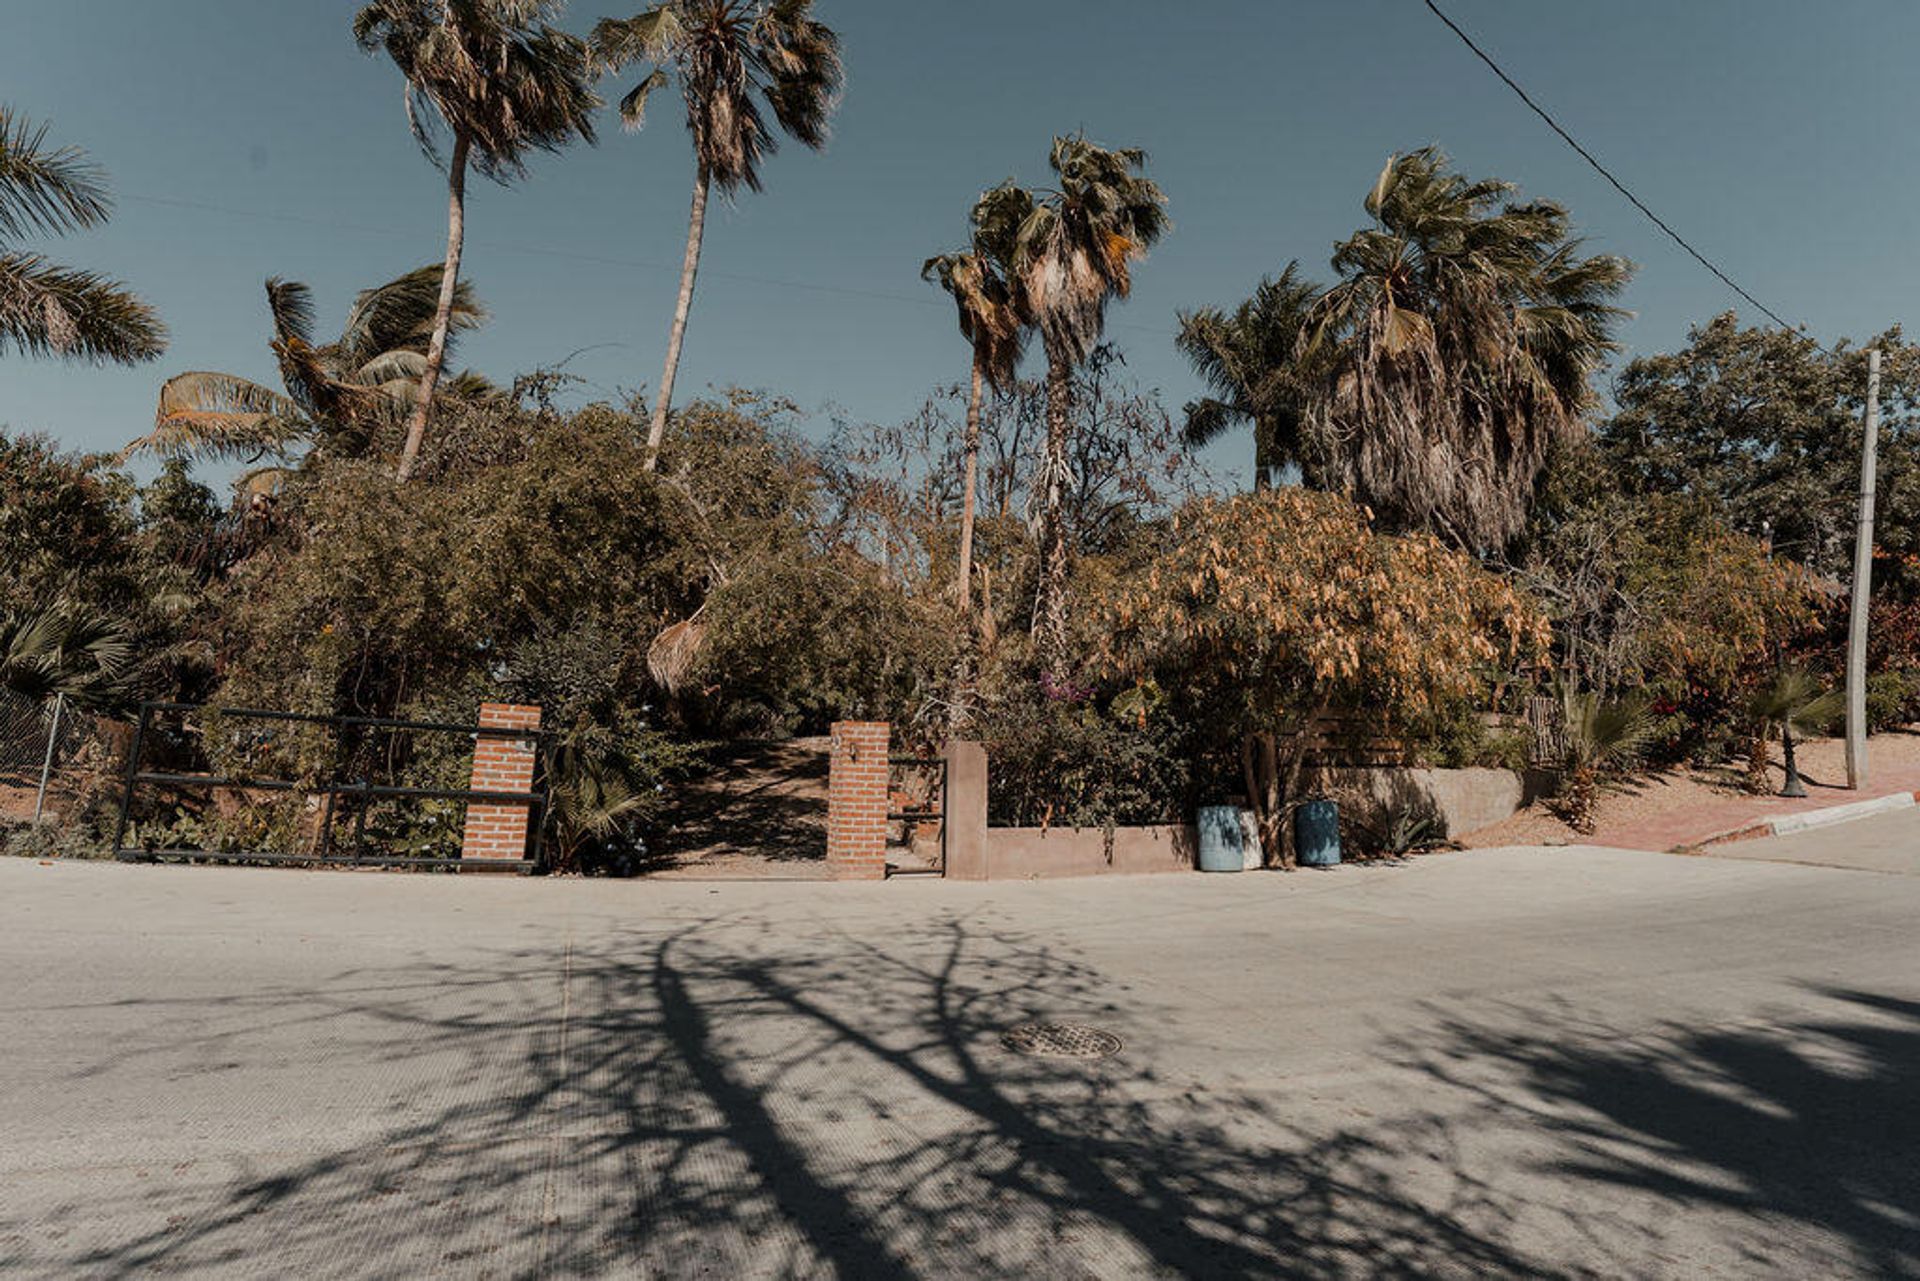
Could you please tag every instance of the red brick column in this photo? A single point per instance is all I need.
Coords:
(857, 801)
(501, 764)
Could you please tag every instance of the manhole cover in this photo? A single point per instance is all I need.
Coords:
(1060, 1041)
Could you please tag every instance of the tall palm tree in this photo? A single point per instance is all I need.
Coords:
(1459, 344)
(1073, 250)
(1250, 359)
(724, 53)
(992, 323)
(47, 309)
(337, 394)
(503, 83)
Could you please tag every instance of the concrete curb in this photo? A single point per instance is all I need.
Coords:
(1806, 819)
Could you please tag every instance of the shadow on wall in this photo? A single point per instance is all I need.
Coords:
(830, 1107)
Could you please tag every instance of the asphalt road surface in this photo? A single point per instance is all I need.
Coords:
(1540, 1062)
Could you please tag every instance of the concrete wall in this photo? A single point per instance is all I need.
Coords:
(976, 852)
(1030, 853)
(1463, 800)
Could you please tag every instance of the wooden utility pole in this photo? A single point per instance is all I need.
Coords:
(1862, 587)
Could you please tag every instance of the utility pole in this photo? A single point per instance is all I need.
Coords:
(1862, 587)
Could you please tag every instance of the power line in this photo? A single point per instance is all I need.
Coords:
(536, 250)
(1601, 169)
(543, 251)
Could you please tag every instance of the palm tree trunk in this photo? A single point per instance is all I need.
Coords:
(1262, 459)
(972, 448)
(1050, 612)
(689, 268)
(442, 312)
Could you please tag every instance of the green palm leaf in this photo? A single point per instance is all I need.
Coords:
(42, 190)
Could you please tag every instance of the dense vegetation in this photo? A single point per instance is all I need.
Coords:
(1450, 518)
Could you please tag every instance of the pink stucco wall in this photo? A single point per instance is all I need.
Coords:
(1030, 853)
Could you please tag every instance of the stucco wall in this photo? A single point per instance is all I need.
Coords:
(1463, 800)
(1028, 853)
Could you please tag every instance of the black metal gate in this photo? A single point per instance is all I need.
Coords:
(925, 795)
(337, 793)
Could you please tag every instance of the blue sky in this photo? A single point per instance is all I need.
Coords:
(246, 138)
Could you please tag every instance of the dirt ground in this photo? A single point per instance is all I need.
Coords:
(759, 811)
(1631, 805)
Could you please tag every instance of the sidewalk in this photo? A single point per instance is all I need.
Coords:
(1724, 817)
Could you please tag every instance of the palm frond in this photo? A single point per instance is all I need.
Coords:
(398, 316)
(730, 57)
(494, 74)
(210, 415)
(62, 649)
(1796, 699)
(1604, 734)
(290, 303)
(1208, 419)
(390, 367)
(48, 310)
(633, 104)
(50, 191)
(648, 36)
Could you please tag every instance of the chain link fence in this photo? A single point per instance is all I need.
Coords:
(51, 753)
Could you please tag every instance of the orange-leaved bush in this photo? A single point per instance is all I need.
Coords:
(1271, 608)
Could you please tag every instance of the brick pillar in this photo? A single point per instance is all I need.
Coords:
(501, 764)
(857, 801)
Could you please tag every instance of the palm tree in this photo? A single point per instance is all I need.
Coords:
(1794, 703)
(62, 650)
(1250, 359)
(503, 83)
(337, 394)
(1073, 250)
(1597, 735)
(992, 324)
(1459, 344)
(724, 52)
(47, 309)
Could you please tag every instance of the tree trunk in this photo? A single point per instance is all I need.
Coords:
(971, 445)
(1262, 456)
(443, 311)
(1757, 763)
(1050, 612)
(689, 268)
(1268, 789)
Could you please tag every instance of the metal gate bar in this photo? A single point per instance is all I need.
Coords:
(924, 813)
(537, 802)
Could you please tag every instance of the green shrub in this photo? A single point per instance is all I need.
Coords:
(1063, 758)
(1460, 737)
(1893, 700)
(51, 840)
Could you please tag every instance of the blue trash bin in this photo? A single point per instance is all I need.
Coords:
(1222, 839)
(1316, 834)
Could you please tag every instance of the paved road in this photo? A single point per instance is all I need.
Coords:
(1558, 1062)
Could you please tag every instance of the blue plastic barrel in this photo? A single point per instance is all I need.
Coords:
(1222, 839)
(1316, 834)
